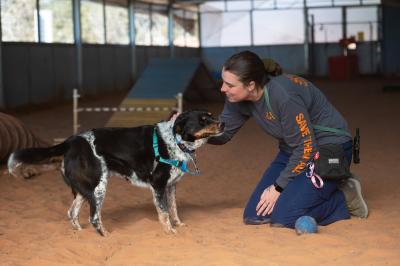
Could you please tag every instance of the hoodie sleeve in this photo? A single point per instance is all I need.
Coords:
(299, 135)
(233, 116)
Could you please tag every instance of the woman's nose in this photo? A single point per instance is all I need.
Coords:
(223, 88)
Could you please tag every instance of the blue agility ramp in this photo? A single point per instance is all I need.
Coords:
(164, 78)
(160, 82)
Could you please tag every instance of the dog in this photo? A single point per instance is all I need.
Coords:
(151, 156)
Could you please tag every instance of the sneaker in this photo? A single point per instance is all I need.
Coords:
(256, 220)
(355, 202)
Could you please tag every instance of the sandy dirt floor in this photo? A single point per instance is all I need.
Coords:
(34, 229)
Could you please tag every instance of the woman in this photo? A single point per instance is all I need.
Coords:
(287, 107)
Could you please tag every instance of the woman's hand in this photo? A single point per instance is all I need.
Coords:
(267, 201)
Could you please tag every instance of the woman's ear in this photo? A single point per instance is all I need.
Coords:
(252, 86)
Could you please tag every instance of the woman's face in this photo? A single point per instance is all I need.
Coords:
(233, 88)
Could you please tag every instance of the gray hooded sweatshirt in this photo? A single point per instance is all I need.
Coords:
(296, 106)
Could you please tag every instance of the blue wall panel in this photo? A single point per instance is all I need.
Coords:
(291, 57)
(64, 71)
(42, 74)
(107, 69)
(368, 57)
(90, 69)
(122, 68)
(16, 73)
(322, 52)
(391, 40)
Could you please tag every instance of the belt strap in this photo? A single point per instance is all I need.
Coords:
(333, 130)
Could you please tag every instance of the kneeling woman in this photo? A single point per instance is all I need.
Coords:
(287, 107)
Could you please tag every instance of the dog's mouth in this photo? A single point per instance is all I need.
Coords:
(212, 130)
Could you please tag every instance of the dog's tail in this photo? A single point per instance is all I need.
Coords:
(28, 162)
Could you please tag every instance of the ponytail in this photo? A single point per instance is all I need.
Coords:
(272, 68)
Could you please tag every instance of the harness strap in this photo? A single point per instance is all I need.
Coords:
(182, 165)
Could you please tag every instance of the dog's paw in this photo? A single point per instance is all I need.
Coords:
(179, 224)
(29, 172)
(77, 227)
(173, 231)
(103, 232)
(170, 230)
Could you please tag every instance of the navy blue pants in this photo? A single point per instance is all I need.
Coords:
(326, 205)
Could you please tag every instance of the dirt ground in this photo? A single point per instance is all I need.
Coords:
(34, 229)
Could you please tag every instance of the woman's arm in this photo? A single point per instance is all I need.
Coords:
(298, 134)
(233, 116)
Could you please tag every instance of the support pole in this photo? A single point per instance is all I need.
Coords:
(132, 37)
(2, 94)
(39, 23)
(344, 22)
(344, 28)
(171, 30)
(379, 29)
(252, 23)
(104, 22)
(76, 6)
(179, 98)
(199, 31)
(75, 125)
(306, 39)
(312, 47)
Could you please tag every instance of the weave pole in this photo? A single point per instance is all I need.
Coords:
(76, 110)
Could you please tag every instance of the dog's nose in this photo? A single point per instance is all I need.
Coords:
(222, 125)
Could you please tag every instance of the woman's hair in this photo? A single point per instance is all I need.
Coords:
(249, 67)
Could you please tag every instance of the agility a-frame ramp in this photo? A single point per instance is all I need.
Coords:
(154, 94)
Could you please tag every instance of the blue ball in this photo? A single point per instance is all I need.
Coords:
(306, 225)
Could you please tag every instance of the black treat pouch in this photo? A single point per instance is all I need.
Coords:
(332, 163)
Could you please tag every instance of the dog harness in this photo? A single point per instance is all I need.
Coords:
(182, 165)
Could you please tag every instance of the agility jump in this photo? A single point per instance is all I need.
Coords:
(157, 112)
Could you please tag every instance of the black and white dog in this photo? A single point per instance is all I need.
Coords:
(147, 156)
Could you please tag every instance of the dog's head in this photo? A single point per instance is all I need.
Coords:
(196, 125)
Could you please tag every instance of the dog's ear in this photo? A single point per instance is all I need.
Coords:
(174, 112)
(178, 125)
(181, 128)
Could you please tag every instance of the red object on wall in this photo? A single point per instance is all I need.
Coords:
(343, 67)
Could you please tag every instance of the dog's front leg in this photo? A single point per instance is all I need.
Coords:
(160, 201)
(172, 209)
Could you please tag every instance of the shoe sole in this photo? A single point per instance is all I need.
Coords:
(357, 184)
(253, 221)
